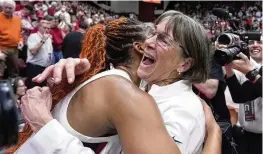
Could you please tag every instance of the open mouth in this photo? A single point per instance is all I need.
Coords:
(148, 60)
(255, 51)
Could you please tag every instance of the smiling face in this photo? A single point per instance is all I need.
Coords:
(255, 48)
(162, 57)
(178, 49)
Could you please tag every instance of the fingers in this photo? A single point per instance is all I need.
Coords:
(58, 70)
(33, 90)
(70, 69)
(50, 82)
(45, 91)
(44, 75)
(83, 66)
(243, 56)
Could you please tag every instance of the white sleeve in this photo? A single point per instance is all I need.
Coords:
(53, 138)
(31, 42)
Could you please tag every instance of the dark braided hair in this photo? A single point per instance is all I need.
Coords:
(121, 34)
(102, 45)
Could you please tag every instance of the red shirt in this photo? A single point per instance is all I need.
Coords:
(76, 26)
(57, 38)
(40, 14)
(249, 21)
(51, 11)
(34, 30)
(19, 7)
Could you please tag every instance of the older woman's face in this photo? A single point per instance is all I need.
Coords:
(161, 57)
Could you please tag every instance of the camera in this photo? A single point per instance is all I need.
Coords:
(236, 42)
(8, 115)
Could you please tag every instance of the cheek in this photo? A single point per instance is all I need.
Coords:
(169, 56)
(168, 61)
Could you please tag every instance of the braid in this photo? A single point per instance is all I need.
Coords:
(120, 40)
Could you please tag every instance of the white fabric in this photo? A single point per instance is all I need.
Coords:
(65, 14)
(44, 56)
(53, 138)
(254, 126)
(60, 113)
(183, 115)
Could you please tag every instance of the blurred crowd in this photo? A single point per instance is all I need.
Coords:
(64, 17)
(247, 14)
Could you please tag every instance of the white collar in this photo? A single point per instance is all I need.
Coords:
(170, 90)
(41, 35)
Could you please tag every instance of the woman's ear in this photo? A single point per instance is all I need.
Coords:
(138, 46)
(185, 65)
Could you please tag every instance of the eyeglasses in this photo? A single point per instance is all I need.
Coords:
(164, 40)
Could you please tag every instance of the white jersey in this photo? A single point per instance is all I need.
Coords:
(60, 114)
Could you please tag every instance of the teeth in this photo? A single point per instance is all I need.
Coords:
(255, 50)
(148, 56)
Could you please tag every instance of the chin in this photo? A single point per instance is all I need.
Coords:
(144, 75)
(141, 74)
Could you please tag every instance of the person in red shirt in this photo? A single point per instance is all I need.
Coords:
(249, 22)
(57, 39)
(52, 10)
(75, 23)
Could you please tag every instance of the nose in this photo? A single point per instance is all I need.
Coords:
(150, 43)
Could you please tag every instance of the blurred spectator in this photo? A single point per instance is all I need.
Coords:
(10, 37)
(2, 64)
(46, 19)
(52, 10)
(71, 46)
(63, 23)
(39, 53)
(75, 23)
(57, 39)
(41, 8)
(25, 16)
(63, 13)
(1, 5)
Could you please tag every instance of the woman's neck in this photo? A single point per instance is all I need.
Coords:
(132, 73)
(162, 83)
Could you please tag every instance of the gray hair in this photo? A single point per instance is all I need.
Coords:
(10, 2)
(194, 40)
(149, 28)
